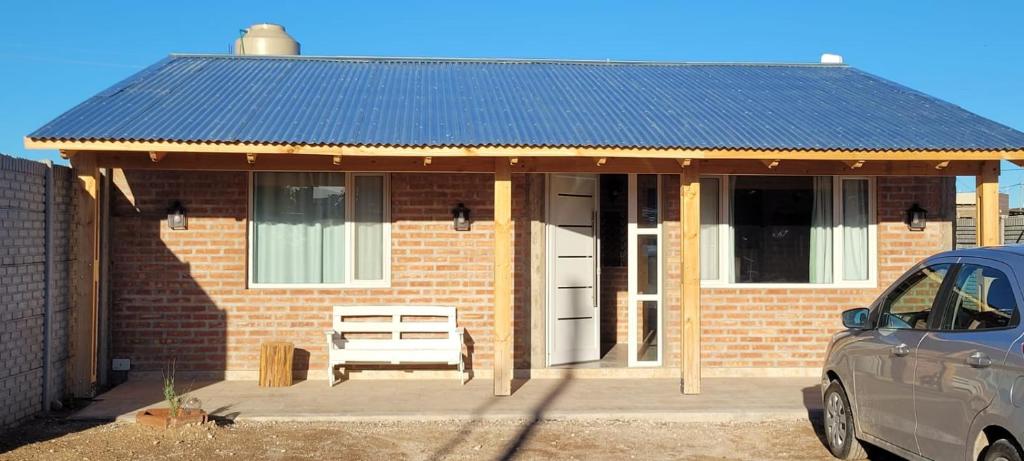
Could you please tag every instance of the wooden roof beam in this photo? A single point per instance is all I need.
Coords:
(601, 161)
(854, 164)
(942, 165)
(519, 152)
(684, 162)
(156, 157)
(771, 164)
(250, 159)
(427, 161)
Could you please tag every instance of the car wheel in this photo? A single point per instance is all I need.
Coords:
(1002, 450)
(839, 431)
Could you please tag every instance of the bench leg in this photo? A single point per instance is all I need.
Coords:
(462, 370)
(330, 375)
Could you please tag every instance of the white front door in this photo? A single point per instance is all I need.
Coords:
(573, 313)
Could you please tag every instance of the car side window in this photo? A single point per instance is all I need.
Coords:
(982, 299)
(909, 305)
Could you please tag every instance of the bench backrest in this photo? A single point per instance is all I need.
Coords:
(442, 320)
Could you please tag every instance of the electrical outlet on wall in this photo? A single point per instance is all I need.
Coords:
(121, 364)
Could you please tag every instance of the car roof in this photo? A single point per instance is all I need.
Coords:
(1008, 253)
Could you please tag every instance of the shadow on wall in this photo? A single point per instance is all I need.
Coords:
(159, 312)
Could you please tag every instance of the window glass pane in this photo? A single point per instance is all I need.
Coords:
(298, 228)
(782, 229)
(647, 200)
(647, 331)
(982, 299)
(709, 221)
(647, 264)
(369, 230)
(908, 306)
(855, 229)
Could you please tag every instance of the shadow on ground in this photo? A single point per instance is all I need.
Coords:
(522, 435)
(42, 429)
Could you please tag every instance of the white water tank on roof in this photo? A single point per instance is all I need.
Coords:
(265, 40)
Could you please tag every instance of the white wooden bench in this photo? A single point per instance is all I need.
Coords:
(352, 321)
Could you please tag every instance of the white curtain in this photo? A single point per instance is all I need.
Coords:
(709, 222)
(821, 231)
(299, 228)
(369, 219)
(855, 229)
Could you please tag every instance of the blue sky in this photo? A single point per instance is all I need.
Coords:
(55, 54)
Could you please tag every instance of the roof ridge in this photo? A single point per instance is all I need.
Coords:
(505, 60)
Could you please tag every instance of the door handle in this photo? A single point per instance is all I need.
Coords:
(979, 360)
(900, 350)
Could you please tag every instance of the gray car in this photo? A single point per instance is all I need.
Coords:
(934, 368)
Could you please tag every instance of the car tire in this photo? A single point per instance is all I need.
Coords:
(840, 435)
(1002, 450)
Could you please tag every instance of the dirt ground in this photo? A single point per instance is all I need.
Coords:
(589, 440)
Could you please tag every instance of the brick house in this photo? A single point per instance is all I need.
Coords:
(626, 219)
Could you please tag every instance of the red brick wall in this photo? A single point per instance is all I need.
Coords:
(182, 295)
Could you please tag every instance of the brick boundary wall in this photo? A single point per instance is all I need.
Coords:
(181, 295)
(23, 291)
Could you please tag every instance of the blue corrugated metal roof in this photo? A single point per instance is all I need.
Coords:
(452, 102)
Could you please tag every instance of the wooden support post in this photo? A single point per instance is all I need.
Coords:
(502, 277)
(85, 274)
(689, 199)
(987, 182)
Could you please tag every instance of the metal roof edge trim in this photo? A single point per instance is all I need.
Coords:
(146, 145)
(427, 59)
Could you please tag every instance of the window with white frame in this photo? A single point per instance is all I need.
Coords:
(787, 230)
(319, 228)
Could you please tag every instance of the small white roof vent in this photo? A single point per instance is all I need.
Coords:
(829, 58)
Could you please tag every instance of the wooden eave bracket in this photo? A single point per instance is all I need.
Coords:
(854, 164)
(427, 161)
(156, 157)
(512, 161)
(601, 161)
(771, 163)
(66, 154)
(250, 159)
(942, 165)
(336, 160)
(684, 162)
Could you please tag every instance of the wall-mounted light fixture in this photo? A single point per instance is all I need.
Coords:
(176, 217)
(460, 217)
(917, 217)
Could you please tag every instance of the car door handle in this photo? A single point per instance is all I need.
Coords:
(900, 350)
(979, 360)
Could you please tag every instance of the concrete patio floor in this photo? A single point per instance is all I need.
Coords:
(723, 399)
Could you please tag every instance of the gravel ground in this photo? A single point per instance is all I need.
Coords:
(589, 440)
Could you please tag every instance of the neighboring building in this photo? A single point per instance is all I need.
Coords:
(966, 205)
(659, 219)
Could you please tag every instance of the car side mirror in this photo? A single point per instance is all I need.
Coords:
(856, 319)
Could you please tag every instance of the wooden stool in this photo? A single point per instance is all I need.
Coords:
(276, 363)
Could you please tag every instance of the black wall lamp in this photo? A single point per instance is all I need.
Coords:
(460, 217)
(176, 217)
(917, 217)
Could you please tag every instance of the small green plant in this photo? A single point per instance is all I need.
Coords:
(174, 400)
